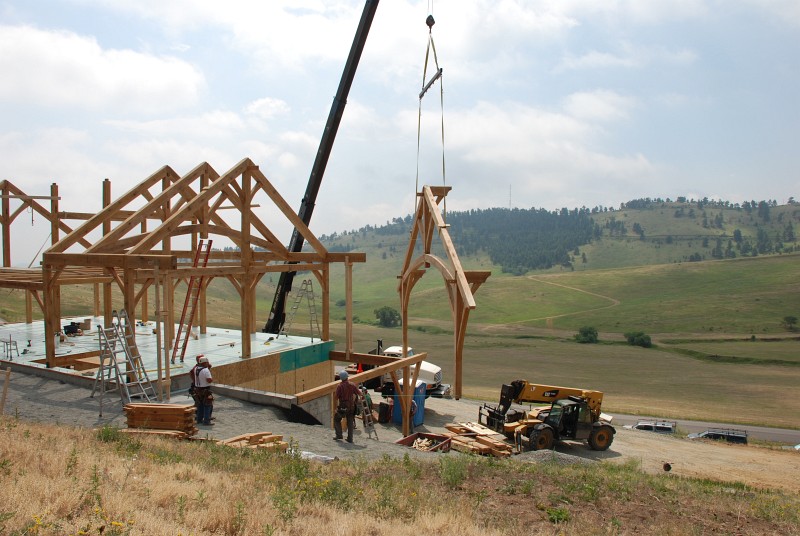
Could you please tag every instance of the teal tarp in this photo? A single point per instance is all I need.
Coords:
(305, 357)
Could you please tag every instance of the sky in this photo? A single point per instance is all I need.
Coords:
(542, 103)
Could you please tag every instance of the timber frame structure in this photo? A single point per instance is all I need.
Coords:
(116, 246)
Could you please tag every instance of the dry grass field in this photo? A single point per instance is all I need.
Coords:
(57, 480)
(645, 381)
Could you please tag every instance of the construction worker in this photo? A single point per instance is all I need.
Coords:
(202, 388)
(345, 399)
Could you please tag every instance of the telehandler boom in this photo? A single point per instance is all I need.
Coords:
(573, 413)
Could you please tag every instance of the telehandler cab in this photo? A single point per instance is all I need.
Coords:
(573, 414)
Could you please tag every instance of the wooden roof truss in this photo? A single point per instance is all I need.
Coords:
(148, 236)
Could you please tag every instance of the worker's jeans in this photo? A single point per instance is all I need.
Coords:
(204, 413)
(350, 415)
(204, 401)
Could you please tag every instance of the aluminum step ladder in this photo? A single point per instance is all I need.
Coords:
(121, 366)
(193, 289)
(366, 415)
(306, 291)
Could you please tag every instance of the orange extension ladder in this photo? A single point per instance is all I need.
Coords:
(189, 305)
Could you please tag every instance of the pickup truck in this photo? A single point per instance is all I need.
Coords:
(428, 372)
(722, 434)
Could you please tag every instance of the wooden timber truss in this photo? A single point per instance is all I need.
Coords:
(117, 246)
(460, 284)
(148, 236)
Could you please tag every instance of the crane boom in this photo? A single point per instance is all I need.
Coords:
(277, 314)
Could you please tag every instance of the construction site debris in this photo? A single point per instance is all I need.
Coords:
(468, 437)
(426, 442)
(260, 440)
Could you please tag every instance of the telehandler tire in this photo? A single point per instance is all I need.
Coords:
(541, 439)
(601, 438)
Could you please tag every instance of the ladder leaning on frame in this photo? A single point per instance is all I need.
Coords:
(121, 366)
(307, 291)
(190, 303)
(366, 415)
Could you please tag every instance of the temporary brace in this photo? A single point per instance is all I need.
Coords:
(307, 290)
(121, 366)
(190, 303)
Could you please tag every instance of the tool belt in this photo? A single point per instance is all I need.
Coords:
(203, 394)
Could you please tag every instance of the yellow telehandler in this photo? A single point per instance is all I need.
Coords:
(573, 413)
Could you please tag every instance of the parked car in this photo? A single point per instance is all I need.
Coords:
(722, 434)
(661, 427)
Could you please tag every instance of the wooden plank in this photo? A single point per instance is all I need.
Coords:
(163, 433)
(249, 437)
(161, 420)
(174, 412)
(165, 406)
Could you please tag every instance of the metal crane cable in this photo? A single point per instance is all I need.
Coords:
(437, 76)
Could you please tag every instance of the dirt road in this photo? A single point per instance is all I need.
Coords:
(755, 466)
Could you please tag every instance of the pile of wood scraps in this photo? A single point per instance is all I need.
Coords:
(173, 420)
(426, 442)
(260, 440)
(474, 438)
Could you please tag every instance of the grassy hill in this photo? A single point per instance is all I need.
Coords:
(721, 352)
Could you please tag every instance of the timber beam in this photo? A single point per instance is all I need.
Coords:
(111, 260)
(328, 388)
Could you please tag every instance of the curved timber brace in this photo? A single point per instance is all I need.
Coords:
(461, 284)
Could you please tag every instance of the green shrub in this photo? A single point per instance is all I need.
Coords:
(639, 338)
(586, 335)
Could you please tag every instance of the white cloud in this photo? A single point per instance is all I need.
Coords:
(627, 56)
(650, 12)
(780, 10)
(600, 105)
(545, 155)
(60, 68)
(212, 124)
(267, 108)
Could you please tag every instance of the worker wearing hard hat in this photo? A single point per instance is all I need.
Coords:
(345, 398)
(203, 396)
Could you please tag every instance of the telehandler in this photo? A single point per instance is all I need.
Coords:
(573, 414)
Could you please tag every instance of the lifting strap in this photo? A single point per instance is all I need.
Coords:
(437, 76)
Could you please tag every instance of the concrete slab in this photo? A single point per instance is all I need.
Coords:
(221, 346)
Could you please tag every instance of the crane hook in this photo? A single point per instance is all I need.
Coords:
(430, 22)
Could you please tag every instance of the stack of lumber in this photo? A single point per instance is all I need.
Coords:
(475, 438)
(259, 440)
(161, 419)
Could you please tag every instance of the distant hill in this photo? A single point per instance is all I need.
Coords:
(641, 232)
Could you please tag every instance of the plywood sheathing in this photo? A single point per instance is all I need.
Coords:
(263, 374)
(461, 284)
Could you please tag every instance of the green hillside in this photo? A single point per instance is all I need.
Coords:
(642, 232)
(721, 350)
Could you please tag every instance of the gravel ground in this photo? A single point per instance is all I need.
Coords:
(32, 398)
